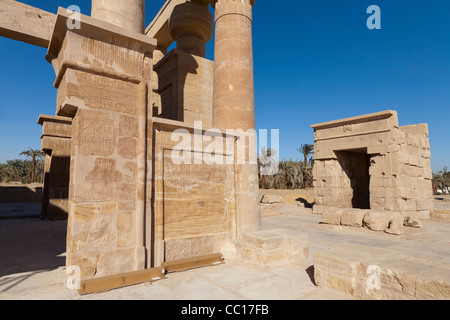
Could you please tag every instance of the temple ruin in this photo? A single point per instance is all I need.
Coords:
(369, 163)
(120, 96)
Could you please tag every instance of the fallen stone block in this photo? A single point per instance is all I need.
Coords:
(377, 220)
(395, 226)
(353, 217)
(332, 216)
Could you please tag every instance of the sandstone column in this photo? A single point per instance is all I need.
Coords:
(129, 14)
(234, 103)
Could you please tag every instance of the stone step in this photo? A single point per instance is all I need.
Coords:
(370, 273)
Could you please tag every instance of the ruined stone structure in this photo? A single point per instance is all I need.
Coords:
(371, 163)
(109, 147)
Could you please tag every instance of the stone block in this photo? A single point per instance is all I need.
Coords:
(271, 209)
(87, 262)
(297, 245)
(264, 239)
(406, 204)
(124, 225)
(341, 283)
(377, 220)
(184, 248)
(268, 257)
(115, 262)
(402, 277)
(84, 212)
(327, 260)
(353, 217)
(271, 199)
(274, 247)
(395, 226)
(332, 216)
(433, 284)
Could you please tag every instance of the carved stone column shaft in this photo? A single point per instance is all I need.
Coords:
(129, 14)
(234, 101)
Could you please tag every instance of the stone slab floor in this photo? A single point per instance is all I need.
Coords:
(32, 259)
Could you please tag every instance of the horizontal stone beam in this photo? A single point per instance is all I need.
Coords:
(159, 27)
(25, 23)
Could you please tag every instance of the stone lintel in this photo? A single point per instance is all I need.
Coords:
(56, 134)
(159, 27)
(97, 29)
(58, 146)
(358, 119)
(25, 23)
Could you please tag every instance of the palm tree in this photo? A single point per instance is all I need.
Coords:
(438, 182)
(14, 170)
(35, 155)
(441, 180)
(3, 172)
(445, 179)
(306, 150)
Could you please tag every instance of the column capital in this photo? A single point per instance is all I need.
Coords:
(191, 25)
(231, 7)
(213, 2)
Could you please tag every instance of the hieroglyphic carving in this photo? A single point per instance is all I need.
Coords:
(114, 53)
(99, 92)
(128, 126)
(97, 136)
(348, 127)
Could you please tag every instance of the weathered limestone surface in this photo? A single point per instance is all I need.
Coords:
(352, 269)
(25, 23)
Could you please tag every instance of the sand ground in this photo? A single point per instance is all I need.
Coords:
(32, 261)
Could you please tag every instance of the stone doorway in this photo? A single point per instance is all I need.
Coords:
(355, 164)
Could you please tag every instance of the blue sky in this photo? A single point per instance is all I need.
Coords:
(315, 61)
